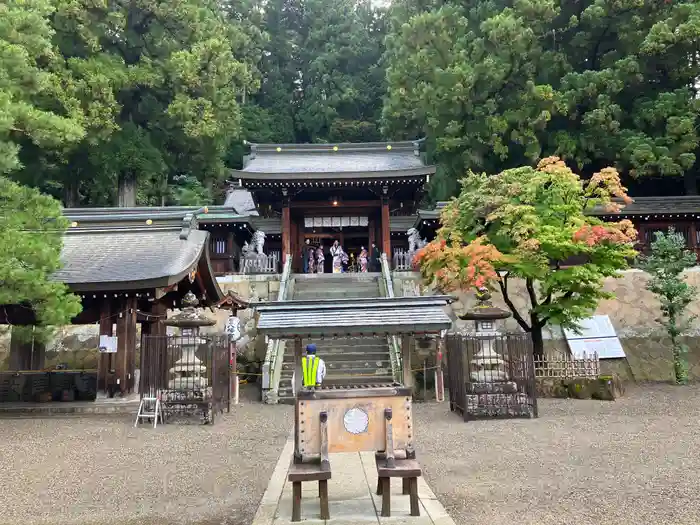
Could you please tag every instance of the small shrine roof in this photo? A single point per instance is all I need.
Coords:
(135, 249)
(402, 223)
(392, 161)
(141, 258)
(680, 207)
(341, 317)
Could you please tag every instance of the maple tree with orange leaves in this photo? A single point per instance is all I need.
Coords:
(533, 224)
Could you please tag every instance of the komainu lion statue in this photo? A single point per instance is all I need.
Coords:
(258, 241)
(414, 240)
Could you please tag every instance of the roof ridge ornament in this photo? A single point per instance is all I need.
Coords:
(189, 222)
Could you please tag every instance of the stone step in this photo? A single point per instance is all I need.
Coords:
(355, 370)
(335, 283)
(308, 295)
(349, 367)
(335, 356)
(326, 348)
(340, 342)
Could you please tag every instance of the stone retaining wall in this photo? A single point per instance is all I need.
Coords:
(633, 312)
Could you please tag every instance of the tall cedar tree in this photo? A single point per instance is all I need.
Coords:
(526, 223)
(500, 83)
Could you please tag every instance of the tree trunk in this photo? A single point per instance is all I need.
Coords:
(691, 182)
(537, 342)
(72, 196)
(126, 197)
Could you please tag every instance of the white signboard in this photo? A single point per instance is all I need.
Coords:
(597, 336)
(108, 344)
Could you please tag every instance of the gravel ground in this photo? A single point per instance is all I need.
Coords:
(100, 471)
(632, 461)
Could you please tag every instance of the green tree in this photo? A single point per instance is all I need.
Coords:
(31, 229)
(35, 110)
(502, 83)
(668, 260)
(526, 223)
(341, 77)
(161, 85)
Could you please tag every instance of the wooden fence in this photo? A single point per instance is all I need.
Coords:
(403, 260)
(568, 367)
(267, 263)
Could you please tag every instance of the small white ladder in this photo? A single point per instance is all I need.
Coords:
(150, 408)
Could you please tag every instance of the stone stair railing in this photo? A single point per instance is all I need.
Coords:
(387, 288)
(274, 355)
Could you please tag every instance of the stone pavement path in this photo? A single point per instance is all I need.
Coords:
(352, 497)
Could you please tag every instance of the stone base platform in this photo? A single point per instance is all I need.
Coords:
(351, 494)
(117, 406)
(497, 404)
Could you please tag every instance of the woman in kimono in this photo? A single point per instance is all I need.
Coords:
(363, 259)
(337, 254)
(310, 259)
(320, 259)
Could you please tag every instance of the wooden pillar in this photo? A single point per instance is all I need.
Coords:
(126, 345)
(105, 361)
(286, 230)
(406, 360)
(230, 267)
(298, 381)
(386, 233)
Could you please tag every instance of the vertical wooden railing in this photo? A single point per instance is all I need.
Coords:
(394, 343)
(274, 354)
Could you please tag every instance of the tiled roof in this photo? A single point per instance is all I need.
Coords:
(141, 257)
(400, 158)
(402, 223)
(354, 317)
(656, 206)
(240, 201)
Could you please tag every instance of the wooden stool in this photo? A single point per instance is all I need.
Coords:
(302, 472)
(409, 471)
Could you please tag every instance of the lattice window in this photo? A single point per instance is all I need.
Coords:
(218, 245)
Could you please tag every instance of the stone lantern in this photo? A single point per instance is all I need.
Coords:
(486, 365)
(188, 372)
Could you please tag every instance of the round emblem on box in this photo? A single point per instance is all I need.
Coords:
(356, 421)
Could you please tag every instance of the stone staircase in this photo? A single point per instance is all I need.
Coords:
(348, 361)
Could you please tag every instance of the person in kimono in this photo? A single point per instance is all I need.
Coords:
(363, 259)
(337, 254)
(310, 260)
(320, 259)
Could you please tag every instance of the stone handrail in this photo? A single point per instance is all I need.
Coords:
(394, 345)
(274, 354)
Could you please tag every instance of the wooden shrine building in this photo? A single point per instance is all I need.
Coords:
(128, 268)
(325, 192)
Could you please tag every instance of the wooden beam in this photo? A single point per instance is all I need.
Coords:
(286, 231)
(126, 344)
(308, 205)
(386, 232)
(406, 361)
(104, 363)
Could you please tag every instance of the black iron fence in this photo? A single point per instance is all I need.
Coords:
(491, 376)
(190, 373)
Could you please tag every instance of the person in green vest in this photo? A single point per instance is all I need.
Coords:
(313, 368)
